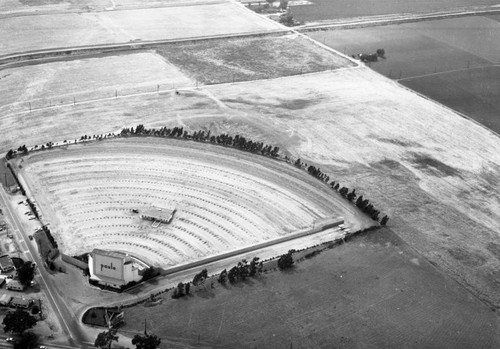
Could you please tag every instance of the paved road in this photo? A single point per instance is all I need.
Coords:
(69, 324)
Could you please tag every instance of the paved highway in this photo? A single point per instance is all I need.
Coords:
(70, 325)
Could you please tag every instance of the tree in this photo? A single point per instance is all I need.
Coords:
(26, 273)
(352, 195)
(106, 338)
(202, 275)
(381, 52)
(187, 287)
(384, 220)
(286, 260)
(18, 321)
(29, 340)
(148, 341)
(222, 277)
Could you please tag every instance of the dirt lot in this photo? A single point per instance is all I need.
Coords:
(219, 61)
(28, 33)
(81, 80)
(372, 292)
(225, 199)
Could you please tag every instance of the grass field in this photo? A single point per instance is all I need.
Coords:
(80, 80)
(326, 9)
(373, 292)
(28, 33)
(473, 92)
(225, 199)
(452, 61)
(228, 60)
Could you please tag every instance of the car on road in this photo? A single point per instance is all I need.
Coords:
(10, 339)
(42, 347)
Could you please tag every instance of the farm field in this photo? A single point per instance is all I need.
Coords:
(85, 79)
(225, 199)
(23, 7)
(433, 172)
(453, 61)
(220, 61)
(473, 92)
(372, 292)
(326, 9)
(28, 33)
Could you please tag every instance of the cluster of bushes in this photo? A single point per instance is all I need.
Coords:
(181, 290)
(286, 261)
(241, 271)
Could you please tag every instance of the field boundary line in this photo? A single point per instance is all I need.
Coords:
(15, 59)
(373, 21)
(459, 113)
(449, 71)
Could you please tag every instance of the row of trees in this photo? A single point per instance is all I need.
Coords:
(237, 141)
(363, 204)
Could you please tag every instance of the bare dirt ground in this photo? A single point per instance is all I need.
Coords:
(373, 292)
(39, 32)
(80, 80)
(225, 199)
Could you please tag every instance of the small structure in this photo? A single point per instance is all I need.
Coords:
(21, 302)
(14, 285)
(112, 268)
(156, 214)
(6, 263)
(5, 300)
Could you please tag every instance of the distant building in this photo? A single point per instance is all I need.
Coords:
(6, 263)
(158, 214)
(111, 268)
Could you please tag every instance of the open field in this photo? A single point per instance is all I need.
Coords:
(91, 78)
(11, 8)
(452, 61)
(28, 33)
(473, 92)
(219, 61)
(326, 9)
(373, 292)
(415, 49)
(225, 199)
(435, 173)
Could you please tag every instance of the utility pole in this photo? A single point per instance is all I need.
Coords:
(116, 93)
(74, 101)
(30, 106)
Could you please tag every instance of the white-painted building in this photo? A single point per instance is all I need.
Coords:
(112, 268)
